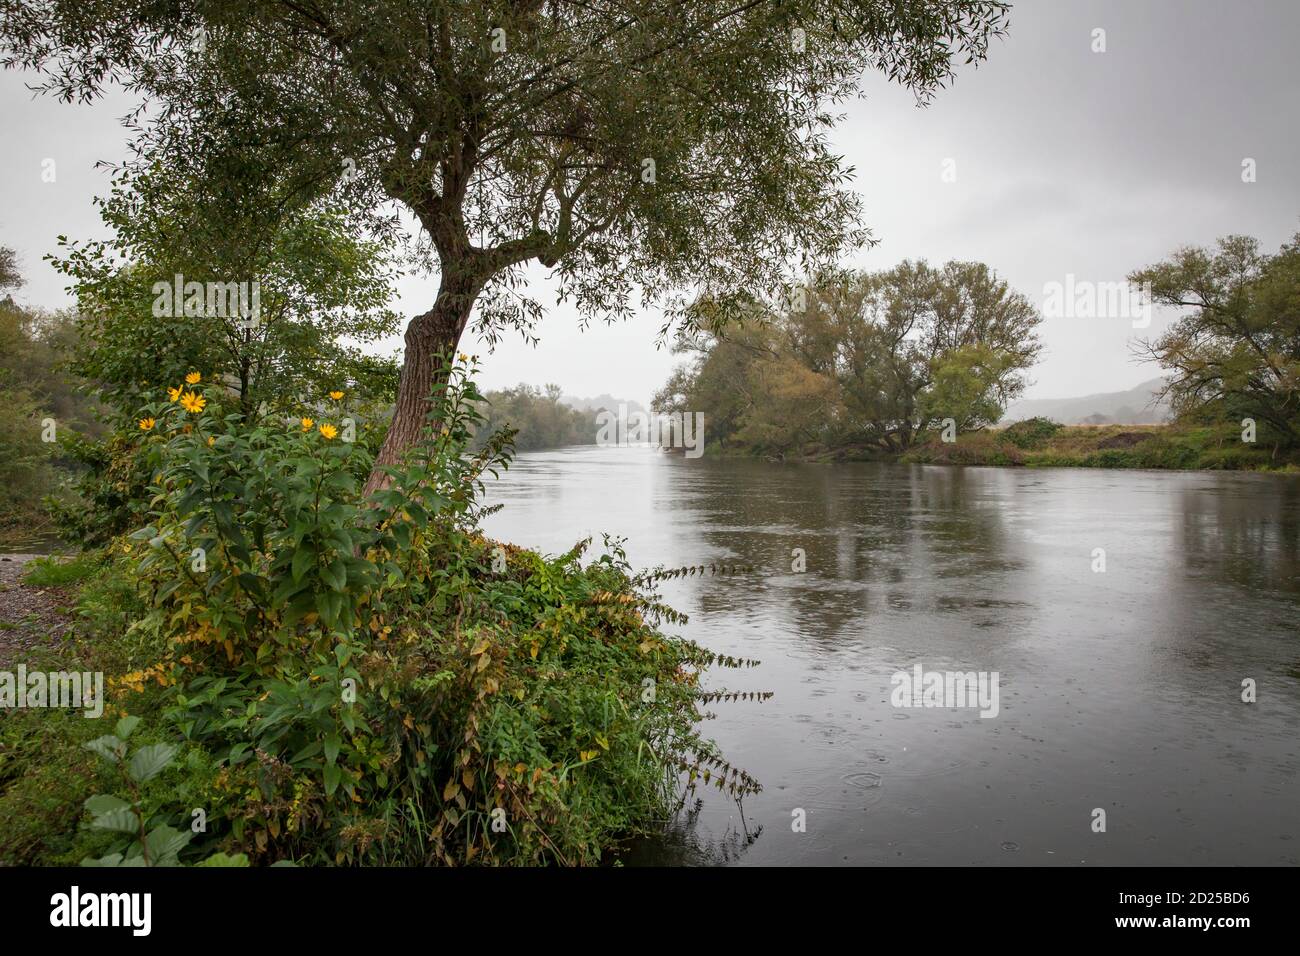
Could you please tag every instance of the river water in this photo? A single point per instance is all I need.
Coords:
(1120, 690)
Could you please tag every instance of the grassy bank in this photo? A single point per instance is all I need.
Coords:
(1042, 444)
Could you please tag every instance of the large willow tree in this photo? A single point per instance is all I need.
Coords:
(642, 149)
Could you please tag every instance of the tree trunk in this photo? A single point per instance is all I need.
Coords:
(430, 344)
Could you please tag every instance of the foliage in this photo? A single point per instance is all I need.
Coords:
(320, 294)
(53, 572)
(867, 362)
(376, 682)
(633, 147)
(107, 495)
(45, 775)
(1031, 433)
(1236, 353)
(1044, 444)
(10, 276)
(143, 840)
(36, 392)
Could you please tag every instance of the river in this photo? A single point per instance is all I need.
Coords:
(1119, 689)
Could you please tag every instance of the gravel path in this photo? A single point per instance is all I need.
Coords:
(28, 616)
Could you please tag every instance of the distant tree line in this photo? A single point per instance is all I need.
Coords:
(538, 416)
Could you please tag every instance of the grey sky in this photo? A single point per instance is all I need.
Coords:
(1066, 161)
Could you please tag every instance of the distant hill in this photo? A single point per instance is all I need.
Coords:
(1137, 406)
(601, 401)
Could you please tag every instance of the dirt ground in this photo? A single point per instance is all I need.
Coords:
(28, 616)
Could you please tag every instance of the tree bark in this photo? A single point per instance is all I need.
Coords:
(431, 341)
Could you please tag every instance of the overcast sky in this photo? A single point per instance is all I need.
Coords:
(1066, 161)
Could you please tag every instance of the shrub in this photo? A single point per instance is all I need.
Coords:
(1031, 433)
(376, 682)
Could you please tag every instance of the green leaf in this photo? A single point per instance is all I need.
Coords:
(335, 574)
(165, 843)
(222, 859)
(332, 776)
(332, 745)
(105, 803)
(119, 821)
(303, 559)
(125, 726)
(148, 762)
(108, 746)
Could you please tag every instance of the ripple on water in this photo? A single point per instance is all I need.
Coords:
(864, 780)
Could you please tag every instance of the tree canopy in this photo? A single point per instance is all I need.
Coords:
(640, 149)
(869, 361)
(319, 293)
(1235, 351)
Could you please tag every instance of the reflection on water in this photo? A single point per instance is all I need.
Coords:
(1119, 690)
(26, 541)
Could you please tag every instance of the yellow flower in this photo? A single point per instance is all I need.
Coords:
(336, 395)
(193, 378)
(146, 424)
(329, 431)
(211, 442)
(174, 393)
(307, 423)
(463, 357)
(193, 403)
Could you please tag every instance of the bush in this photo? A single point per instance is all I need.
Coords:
(376, 682)
(1031, 433)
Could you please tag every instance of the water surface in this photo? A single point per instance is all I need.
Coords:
(1119, 690)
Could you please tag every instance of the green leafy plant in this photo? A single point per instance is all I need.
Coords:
(146, 839)
(371, 680)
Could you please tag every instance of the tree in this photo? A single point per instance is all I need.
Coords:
(10, 278)
(1237, 352)
(285, 295)
(869, 360)
(635, 147)
(35, 393)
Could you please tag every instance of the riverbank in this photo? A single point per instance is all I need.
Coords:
(1038, 443)
(1170, 447)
